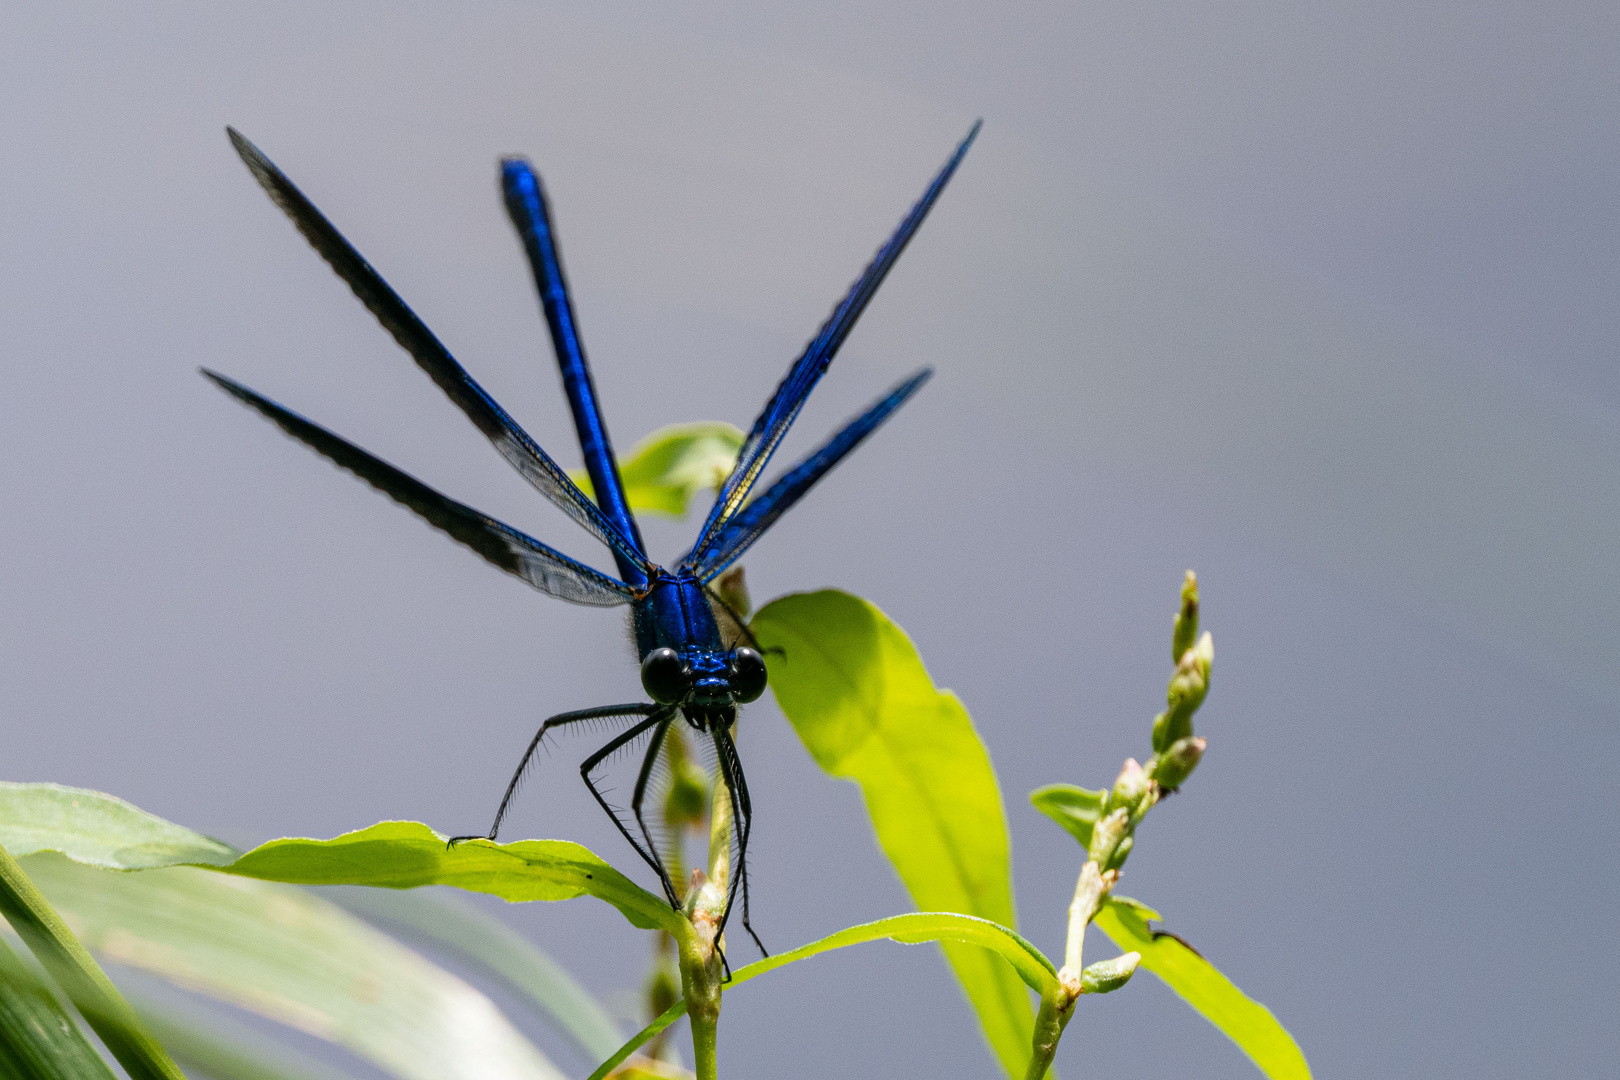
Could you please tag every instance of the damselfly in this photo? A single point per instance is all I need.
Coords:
(688, 669)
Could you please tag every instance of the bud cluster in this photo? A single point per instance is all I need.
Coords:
(1176, 749)
(1105, 821)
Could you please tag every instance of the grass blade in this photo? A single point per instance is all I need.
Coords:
(80, 977)
(500, 950)
(38, 1038)
(287, 954)
(225, 1050)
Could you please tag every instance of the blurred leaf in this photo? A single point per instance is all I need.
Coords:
(674, 463)
(38, 1039)
(913, 928)
(483, 939)
(1245, 1021)
(224, 1049)
(294, 957)
(1074, 808)
(98, 829)
(78, 975)
(856, 691)
(405, 854)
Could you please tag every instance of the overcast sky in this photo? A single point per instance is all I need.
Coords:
(1318, 299)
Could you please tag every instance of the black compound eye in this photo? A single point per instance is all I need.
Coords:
(747, 674)
(665, 676)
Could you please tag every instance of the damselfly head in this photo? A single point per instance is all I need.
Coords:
(706, 682)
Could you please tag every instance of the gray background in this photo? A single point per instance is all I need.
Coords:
(1318, 299)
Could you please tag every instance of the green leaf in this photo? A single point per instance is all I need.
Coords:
(1245, 1021)
(405, 854)
(913, 928)
(475, 936)
(674, 463)
(98, 829)
(1074, 808)
(83, 982)
(290, 955)
(853, 686)
(38, 1039)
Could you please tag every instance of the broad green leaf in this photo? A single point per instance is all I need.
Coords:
(913, 928)
(38, 1039)
(290, 955)
(674, 463)
(98, 829)
(475, 936)
(1074, 808)
(405, 854)
(80, 978)
(853, 686)
(1245, 1021)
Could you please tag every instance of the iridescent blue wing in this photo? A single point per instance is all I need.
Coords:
(807, 370)
(760, 514)
(513, 443)
(545, 568)
(526, 204)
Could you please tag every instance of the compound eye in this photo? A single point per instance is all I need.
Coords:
(665, 676)
(747, 674)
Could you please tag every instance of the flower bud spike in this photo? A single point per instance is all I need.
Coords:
(1186, 624)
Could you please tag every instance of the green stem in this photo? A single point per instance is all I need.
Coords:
(1056, 1008)
(80, 977)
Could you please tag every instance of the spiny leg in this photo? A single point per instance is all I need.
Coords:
(659, 715)
(732, 772)
(598, 713)
(648, 762)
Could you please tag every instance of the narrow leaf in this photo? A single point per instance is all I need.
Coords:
(80, 978)
(1030, 964)
(38, 1039)
(475, 936)
(287, 954)
(853, 686)
(405, 854)
(1245, 1021)
(673, 464)
(99, 829)
(1074, 808)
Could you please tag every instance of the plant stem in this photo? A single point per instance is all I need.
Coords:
(1049, 1024)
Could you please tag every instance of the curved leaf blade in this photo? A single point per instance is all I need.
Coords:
(851, 683)
(913, 928)
(406, 854)
(290, 955)
(1242, 1019)
(672, 465)
(98, 829)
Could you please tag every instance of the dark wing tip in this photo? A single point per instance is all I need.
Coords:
(224, 382)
